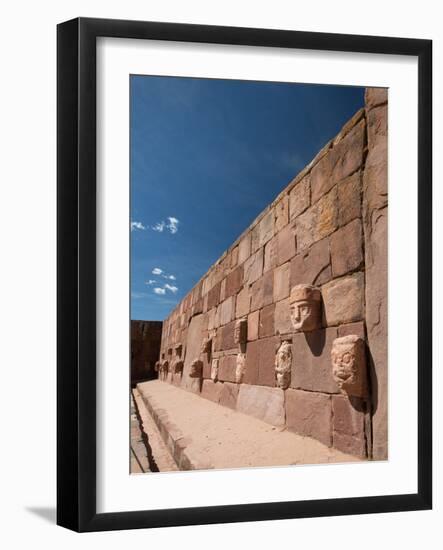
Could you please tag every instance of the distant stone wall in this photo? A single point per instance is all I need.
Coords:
(290, 324)
(145, 349)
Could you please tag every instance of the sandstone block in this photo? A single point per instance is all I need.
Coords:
(311, 361)
(266, 327)
(211, 390)
(234, 257)
(349, 425)
(309, 414)
(282, 276)
(255, 238)
(243, 302)
(266, 228)
(271, 254)
(282, 317)
(214, 296)
(260, 357)
(227, 336)
(253, 267)
(281, 213)
(244, 248)
(377, 127)
(299, 198)
(229, 394)
(313, 266)
(349, 198)
(227, 310)
(349, 445)
(343, 299)
(257, 295)
(226, 368)
(264, 403)
(285, 244)
(375, 96)
(353, 328)
(253, 324)
(234, 281)
(318, 221)
(347, 248)
(252, 362)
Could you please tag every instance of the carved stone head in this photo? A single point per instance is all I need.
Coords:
(178, 366)
(206, 345)
(178, 350)
(196, 369)
(240, 367)
(241, 331)
(305, 303)
(349, 365)
(214, 370)
(283, 363)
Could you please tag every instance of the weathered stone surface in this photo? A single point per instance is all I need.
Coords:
(267, 404)
(260, 356)
(311, 361)
(253, 267)
(214, 296)
(299, 198)
(244, 248)
(266, 228)
(341, 161)
(229, 394)
(253, 324)
(377, 127)
(318, 221)
(285, 244)
(375, 177)
(234, 281)
(309, 414)
(343, 299)
(271, 254)
(223, 290)
(281, 281)
(266, 327)
(227, 336)
(282, 317)
(211, 318)
(255, 238)
(193, 344)
(349, 125)
(234, 257)
(353, 328)
(281, 210)
(312, 266)
(262, 291)
(349, 425)
(227, 310)
(243, 302)
(226, 368)
(349, 198)
(347, 248)
(257, 295)
(211, 390)
(348, 357)
(283, 365)
(375, 96)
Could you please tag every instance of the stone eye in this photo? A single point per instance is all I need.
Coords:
(347, 358)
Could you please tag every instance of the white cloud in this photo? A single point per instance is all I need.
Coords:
(158, 290)
(150, 282)
(159, 227)
(157, 271)
(171, 288)
(171, 277)
(137, 226)
(172, 224)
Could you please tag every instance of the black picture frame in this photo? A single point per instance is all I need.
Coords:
(76, 265)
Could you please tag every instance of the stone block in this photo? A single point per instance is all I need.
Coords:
(311, 361)
(343, 299)
(252, 362)
(375, 96)
(318, 221)
(253, 267)
(349, 445)
(223, 290)
(282, 276)
(313, 266)
(268, 288)
(227, 310)
(226, 368)
(377, 127)
(282, 317)
(349, 198)
(266, 228)
(257, 295)
(266, 327)
(347, 248)
(271, 254)
(227, 336)
(266, 404)
(211, 390)
(229, 394)
(348, 423)
(253, 324)
(234, 281)
(244, 248)
(299, 198)
(243, 303)
(353, 328)
(214, 296)
(285, 244)
(281, 210)
(260, 357)
(234, 257)
(309, 414)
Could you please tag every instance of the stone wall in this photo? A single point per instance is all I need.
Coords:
(318, 253)
(145, 349)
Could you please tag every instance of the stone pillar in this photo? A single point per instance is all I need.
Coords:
(375, 220)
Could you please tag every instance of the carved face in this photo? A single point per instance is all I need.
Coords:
(214, 370)
(196, 369)
(178, 367)
(305, 308)
(240, 367)
(206, 345)
(283, 363)
(241, 331)
(348, 365)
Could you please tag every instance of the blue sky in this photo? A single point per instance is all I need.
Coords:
(207, 156)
